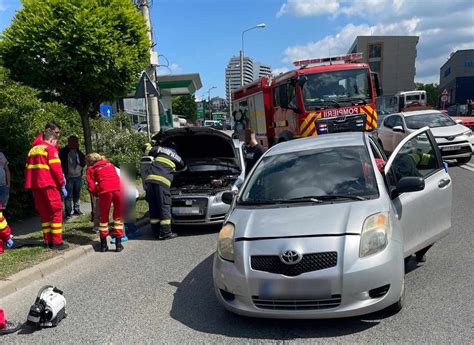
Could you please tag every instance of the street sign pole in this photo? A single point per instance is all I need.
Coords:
(146, 110)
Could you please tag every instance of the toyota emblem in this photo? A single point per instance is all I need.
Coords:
(290, 257)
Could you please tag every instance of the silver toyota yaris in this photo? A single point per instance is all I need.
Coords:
(322, 225)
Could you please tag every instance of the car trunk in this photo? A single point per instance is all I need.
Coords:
(211, 160)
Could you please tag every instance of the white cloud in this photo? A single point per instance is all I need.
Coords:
(308, 8)
(171, 69)
(443, 27)
(280, 70)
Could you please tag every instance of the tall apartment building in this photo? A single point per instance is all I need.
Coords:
(392, 57)
(252, 71)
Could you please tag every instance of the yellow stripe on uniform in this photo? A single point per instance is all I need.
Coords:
(57, 231)
(37, 166)
(46, 231)
(165, 222)
(3, 225)
(154, 221)
(56, 225)
(159, 178)
(54, 160)
(45, 224)
(166, 161)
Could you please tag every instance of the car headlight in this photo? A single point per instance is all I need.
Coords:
(225, 243)
(375, 235)
(218, 198)
(467, 133)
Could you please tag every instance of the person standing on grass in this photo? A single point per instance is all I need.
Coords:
(104, 182)
(72, 161)
(44, 176)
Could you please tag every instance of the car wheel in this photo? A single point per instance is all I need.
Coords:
(463, 160)
(396, 307)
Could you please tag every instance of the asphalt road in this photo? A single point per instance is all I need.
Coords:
(162, 292)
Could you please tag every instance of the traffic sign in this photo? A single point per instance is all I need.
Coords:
(106, 110)
(151, 90)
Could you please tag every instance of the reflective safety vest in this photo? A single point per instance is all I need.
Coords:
(43, 167)
(164, 164)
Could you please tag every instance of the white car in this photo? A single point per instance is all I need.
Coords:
(454, 140)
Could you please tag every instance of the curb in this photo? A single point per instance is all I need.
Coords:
(23, 278)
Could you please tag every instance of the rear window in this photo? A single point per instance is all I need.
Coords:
(321, 172)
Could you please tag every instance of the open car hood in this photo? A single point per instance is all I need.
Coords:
(200, 143)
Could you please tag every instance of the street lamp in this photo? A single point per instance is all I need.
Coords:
(258, 26)
(209, 100)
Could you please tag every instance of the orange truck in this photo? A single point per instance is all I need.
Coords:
(326, 95)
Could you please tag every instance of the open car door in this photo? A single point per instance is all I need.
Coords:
(425, 215)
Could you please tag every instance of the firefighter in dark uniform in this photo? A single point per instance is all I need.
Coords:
(158, 182)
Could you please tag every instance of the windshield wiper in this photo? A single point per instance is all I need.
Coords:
(325, 101)
(355, 100)
(321, 198)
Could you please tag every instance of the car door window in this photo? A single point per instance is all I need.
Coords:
(388, 122)
(416, 158)
(376, 150)
(397, 121)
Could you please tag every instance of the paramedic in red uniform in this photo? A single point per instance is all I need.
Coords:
(104, 182)
(44, 176)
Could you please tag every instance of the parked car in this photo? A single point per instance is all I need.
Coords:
(317, 231)
(214, 165)
(454, 140)
(214, 124)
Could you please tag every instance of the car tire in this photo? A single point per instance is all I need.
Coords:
(396, 307)
(463, 160)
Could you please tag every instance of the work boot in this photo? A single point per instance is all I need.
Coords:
(103, 244)
(59, 247)
(118, 245)
(169, 236)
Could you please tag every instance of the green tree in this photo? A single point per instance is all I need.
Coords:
(185, 105)
(22, 117)
(432, 93)
(80, 53)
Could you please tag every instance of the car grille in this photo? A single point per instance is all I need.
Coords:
(218, 217)
(309, 263)
(297, 304)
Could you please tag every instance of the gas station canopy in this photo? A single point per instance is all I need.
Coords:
(179, 84)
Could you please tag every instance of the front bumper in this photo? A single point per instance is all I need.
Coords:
(460, 147)
(238, 286)
(211, 209)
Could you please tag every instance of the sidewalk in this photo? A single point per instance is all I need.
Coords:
(26, 227)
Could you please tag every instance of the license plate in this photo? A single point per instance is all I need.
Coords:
(186, 210)
(451, 148)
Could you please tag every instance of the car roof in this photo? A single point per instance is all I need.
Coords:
(318, 142)
(418, 112)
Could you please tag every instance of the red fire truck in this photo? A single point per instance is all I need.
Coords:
(326, 95)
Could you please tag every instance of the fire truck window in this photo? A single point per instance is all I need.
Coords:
(337, 86)
(276, 97)
(291, 96)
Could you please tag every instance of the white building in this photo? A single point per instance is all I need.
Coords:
(252, 71)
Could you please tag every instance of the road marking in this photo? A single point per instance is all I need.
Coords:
(468, 166)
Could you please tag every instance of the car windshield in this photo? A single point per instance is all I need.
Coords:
(337, 173)
(338, 86)
(431, 120)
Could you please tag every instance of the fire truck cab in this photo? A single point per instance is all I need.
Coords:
(313, 99)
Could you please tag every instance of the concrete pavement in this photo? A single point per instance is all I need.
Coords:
(162, 292)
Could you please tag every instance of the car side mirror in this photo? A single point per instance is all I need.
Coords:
(228, 198)
(398, 129)
(410, 184)
(458, 121)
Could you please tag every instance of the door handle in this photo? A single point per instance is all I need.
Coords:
(444, 182)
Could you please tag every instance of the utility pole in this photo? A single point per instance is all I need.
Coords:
(153, 110)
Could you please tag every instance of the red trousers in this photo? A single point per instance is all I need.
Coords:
(5, 231)
(49, 205)
(105, 202)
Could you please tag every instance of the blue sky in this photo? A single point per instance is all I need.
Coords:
(201, 35)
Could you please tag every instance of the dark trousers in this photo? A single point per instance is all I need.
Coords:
(159, 202)
(73, 187)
